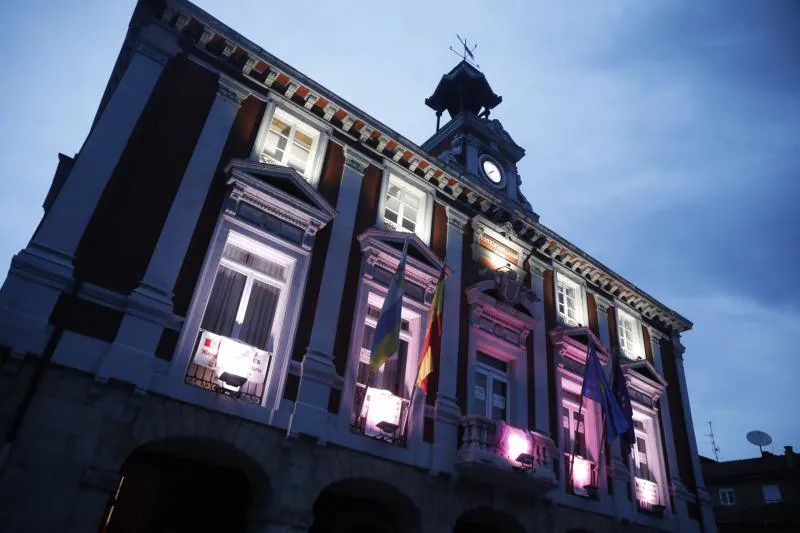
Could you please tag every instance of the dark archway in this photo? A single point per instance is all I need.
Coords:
(364, 506)
(486, 520)
(185, 485)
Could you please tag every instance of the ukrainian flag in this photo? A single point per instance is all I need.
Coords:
(387, 332)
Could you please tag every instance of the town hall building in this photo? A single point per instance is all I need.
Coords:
(185, 340)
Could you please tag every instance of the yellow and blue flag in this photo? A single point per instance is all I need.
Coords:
(387, 331)
(595, 387)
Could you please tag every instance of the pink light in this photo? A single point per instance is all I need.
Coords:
(512, 442)
(581, 473)
(646, 492)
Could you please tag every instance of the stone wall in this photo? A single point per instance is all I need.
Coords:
(78, 433)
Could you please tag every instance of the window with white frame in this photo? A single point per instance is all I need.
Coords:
(491, 393)
(772, 493)
(242, 319)
(573, 428)
(642, 469)
(288, 140)
(630, 336)
(569, 301)
(727, 497)
(406, 207)
(391, 375)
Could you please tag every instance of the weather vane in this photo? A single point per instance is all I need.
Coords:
(468, 54)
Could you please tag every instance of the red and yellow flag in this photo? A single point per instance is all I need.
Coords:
(432, 345)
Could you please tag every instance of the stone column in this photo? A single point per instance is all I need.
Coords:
(41, 271)
(703, 498)
(472, 154)
(318, 372)
(602, 320)
(446, 410)
(542, 382)
(166, 261)
(676, 488)
(150, 304)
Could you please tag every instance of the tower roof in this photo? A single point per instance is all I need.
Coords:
(464, 88)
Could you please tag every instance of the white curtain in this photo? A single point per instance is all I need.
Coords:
(260, 314)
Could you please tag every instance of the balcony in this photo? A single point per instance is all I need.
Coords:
(381, 415)
(227, 366)
(648, 499)
(495, 452)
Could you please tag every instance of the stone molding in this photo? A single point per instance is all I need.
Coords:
(355, 161)
(232, 91)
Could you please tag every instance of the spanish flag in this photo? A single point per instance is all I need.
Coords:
(432, 345)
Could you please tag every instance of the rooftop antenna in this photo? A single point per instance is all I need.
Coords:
(713, 441)
(760, 439)
(467, 54)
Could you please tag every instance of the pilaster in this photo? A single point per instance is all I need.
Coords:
(706, 512)
(541, 390)
(149, 309)
(446, 409)
(602, 320)
(318, 373)
(44, 269)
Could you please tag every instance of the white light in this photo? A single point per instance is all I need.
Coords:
(581, 473)
(380, 406)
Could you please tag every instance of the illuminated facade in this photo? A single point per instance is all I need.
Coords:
(186, 336)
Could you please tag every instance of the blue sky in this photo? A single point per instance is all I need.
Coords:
(661, 137)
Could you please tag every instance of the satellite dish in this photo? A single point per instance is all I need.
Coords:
(759, 438)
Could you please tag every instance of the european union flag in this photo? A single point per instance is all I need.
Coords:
(620, 388)
(595, 387)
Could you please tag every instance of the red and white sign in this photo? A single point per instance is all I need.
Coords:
(222, 354)
(646, 492)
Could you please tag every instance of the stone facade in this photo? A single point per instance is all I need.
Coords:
(185, 342)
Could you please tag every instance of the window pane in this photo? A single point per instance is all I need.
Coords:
(257, 326)
(256, 262)
(223, 304)
(479, 395)
(369, 335)
(493, 362)
(408, 224)
(499, 399)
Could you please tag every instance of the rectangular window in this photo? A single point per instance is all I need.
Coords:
(382, 394)
(239, 327)
(772, 494)
(572, 425)
(569, 301)
(290, 142)
(406, 207)
(641, 467)
(630, 339)
(727, 497)
(490, 397)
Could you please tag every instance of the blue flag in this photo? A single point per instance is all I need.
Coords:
(595, 387)
(620, 388)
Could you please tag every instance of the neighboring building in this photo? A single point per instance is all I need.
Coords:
(185, 338)
(759, 494)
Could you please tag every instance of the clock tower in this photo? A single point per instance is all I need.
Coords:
(478, 146)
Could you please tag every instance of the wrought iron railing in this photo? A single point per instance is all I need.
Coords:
(379, 415)
(204, 372)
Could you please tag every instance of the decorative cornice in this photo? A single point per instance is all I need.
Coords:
(264, 70)
(456, 219)
(231, 90)
(355, 161)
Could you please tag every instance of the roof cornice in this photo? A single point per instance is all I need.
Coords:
(250, 62)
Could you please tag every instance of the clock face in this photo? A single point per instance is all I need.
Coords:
(492, 171)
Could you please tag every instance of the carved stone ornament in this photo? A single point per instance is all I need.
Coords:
(456, 147)
(510, 289)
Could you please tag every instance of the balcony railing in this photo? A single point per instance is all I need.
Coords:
(227, 366)
(379, 414)
(648, 499)
(502, 447)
